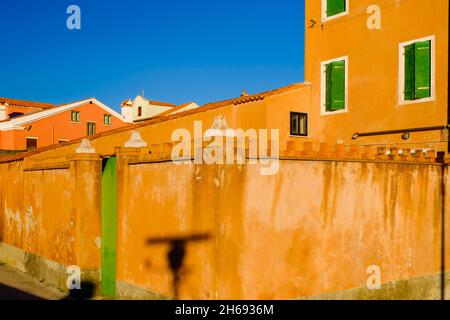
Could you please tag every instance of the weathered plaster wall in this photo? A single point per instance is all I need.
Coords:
(50, 211)
(312, 229)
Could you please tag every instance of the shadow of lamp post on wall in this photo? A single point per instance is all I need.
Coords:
(177, 253)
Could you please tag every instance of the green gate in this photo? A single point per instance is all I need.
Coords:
(109, 227)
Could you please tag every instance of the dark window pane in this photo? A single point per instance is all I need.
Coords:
(31, 144)
(299, 124)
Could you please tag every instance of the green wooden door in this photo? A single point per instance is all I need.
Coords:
(109, 227)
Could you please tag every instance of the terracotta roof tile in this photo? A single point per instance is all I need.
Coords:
(25, 103)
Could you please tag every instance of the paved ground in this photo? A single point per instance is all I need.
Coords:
(15, 285)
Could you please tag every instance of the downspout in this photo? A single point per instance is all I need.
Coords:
(444, 170)
(448, 74)
(443, 233)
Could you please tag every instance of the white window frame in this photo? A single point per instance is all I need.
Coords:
(323, 87)
(401, 72)
(324, 11)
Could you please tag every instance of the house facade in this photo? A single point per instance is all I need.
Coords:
(32, 125)
(141, 108)
(379, 72)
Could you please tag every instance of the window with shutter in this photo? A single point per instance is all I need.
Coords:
(335, 7)
(335, 86)
(422, 70)
(409, 72)
(338, 99)
(329, 86)
(417, 75)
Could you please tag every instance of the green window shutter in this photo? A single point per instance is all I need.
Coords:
(338, 86)
(335, 7)
(329, 87)
(335, 86)
(409, 72)
(422, 88)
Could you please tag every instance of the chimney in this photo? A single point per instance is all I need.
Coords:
(3, 114)
(127, 110)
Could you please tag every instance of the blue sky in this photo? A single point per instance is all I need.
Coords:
(177, 51)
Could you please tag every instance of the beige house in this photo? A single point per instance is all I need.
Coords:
(142, 108)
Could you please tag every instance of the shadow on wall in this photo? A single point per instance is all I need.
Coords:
(86, 292)
(176, 254)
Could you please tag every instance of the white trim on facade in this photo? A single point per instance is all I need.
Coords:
(323, 87)
(401, 71)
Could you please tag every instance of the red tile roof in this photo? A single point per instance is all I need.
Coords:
(25, 103)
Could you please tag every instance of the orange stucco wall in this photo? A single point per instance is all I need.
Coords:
(314, 228)
(53, 128)
(373, 62)
(51, 209)
(12, 140)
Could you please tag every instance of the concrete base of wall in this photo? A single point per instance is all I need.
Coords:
(45, 270)
(126, 291)
(421, 288)
(55, 275)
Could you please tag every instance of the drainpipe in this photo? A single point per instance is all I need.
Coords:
(406, 133)
(448, 74)
(443, 233)
(444, 169)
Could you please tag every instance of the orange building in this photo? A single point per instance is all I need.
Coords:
(379, 71)
(30, 125)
